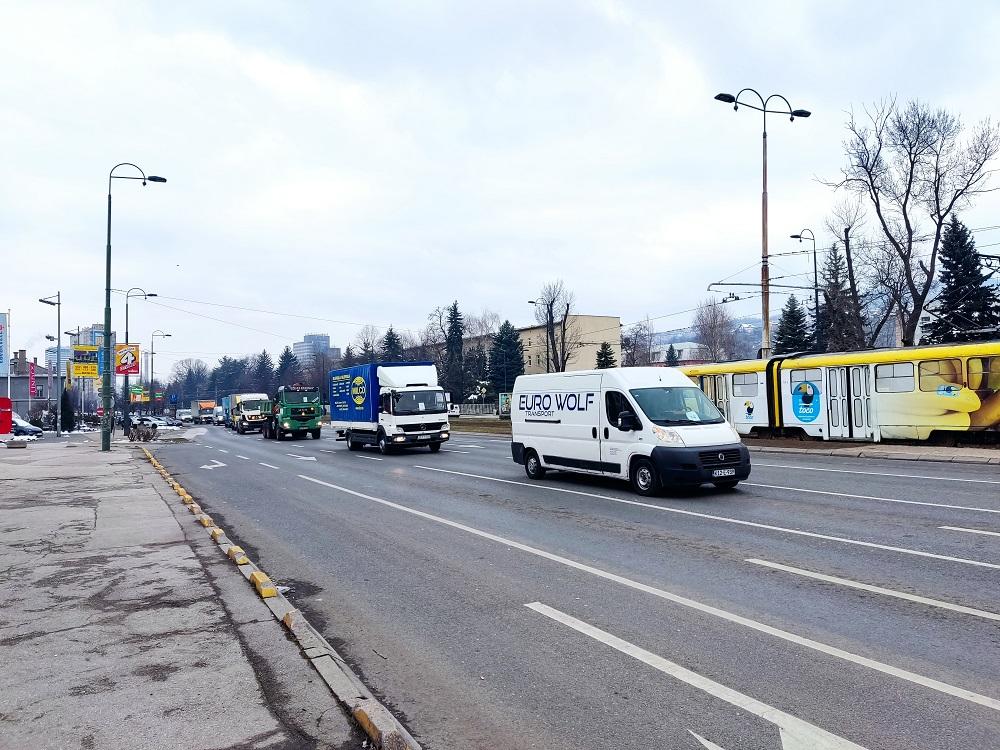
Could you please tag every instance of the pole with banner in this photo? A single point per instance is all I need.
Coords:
(5, 348)
(32, 388)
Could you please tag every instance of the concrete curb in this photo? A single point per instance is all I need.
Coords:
(875, 453)
(384, 730)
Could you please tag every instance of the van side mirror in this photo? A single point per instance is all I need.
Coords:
(628, 422)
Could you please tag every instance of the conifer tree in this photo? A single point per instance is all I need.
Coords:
(506, 358)
(792, 334)
(672, 359)
(606, 357)
(392, 347)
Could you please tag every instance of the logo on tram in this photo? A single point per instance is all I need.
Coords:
(806, 401)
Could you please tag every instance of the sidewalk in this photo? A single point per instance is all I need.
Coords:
(119, 631)
(877, 450)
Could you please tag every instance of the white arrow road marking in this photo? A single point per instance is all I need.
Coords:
(796, 734)
(215, 465)
(970, 531)
(301, 458)
(706, 743)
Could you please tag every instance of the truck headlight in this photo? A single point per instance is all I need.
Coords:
(286, 425)
(668, 436)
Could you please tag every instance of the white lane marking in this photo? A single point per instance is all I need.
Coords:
(223, 450)
(370, 458)
(245, 458)
(784, 635)
(876, 589)
(463, 445)
(796, 734)
(270, 466)
(301, 458)
(326, 450)
(724, 519)
(706, 743)
(450, 450)
(871, 497)
(206, 445)
(970, 531)
(881, 473)
(214, 465)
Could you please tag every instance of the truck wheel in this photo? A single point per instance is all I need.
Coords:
(435, 447)
(278, 434)
(645, 480)
(351, 445)
(315, 433)
(383, 444)
(533, 466)
(240, 429)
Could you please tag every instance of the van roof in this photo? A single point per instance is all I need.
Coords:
(621, 377)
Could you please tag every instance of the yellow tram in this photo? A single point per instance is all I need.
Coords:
(880, 394)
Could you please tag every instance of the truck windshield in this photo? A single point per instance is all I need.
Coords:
(676, 406)
(419, 402)
(254, 405)
(300, 397)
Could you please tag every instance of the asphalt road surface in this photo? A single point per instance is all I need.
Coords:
(827, 603)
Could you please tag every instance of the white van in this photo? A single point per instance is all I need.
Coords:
(649, 425)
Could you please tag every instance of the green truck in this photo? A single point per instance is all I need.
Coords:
(295, 410)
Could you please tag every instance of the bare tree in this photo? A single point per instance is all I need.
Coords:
(637, 344)
(912, 165)
(367, 343)
(484, 325)
(553, 308)
(715, 329)
(846, 221)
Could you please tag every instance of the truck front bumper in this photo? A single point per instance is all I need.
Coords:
(701, 464)
(414, 439)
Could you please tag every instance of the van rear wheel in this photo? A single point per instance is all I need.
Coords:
(533, 466)
(644, 477)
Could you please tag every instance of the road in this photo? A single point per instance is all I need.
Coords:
(827, 603)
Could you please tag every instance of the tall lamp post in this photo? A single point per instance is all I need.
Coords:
(548, 320)
(152, 391)
(802, 236)
(108, 419)
(58, 305)
(127, 406)
(765, 341)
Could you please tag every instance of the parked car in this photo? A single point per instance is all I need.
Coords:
(20, 428)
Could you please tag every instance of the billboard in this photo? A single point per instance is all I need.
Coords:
(85, 359)
(126, 359)
(4, 346)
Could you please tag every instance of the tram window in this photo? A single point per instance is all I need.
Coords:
(855, 380)
(857, 413)
(984, 373)
(745, 384)
(897, 378)
(940, 373)
(798, 376)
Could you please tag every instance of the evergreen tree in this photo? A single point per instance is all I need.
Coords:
(792, 334)
(506, 358)
(835, 329)
(392, 347)
(454, 360)
(606, 357)
(672, 360)
(368, 352)
(263, 372)
(349, 359)
(477, 372)
(965, 303)
(68, 413)
(288, 370)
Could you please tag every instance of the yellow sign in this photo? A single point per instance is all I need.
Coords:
(69, 374)
(85, 370)
(359, 390)
(126, 359)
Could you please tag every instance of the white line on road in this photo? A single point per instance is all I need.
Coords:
(871, 497)
(450, 450)
(270, 466)
(876, 589)
(301, 458)
(463, 445)
(880, 473)
(222, 450)
(970, 531)
(795, 733)
(784, 635)
(214, 465)
(326, 450)
(724, 519)
(245, 458)
(370, 458)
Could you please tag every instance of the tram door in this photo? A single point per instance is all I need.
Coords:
(849, 402)
(714, 387)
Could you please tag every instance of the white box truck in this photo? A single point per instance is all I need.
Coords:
(649, 425)
(390, 405)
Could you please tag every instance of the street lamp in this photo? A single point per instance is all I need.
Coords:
(127, 406)
(76, 333)
(58, 305)
(152, 391)
(764, 270)
(801, 236)
(108, 419)
(548, 318)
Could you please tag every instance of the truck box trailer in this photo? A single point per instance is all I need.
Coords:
(390, 405)
(202, 411)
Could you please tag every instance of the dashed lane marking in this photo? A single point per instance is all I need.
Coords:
(864, 661)
(223, 450)
(871, 497)
(724, 519)
(450, 450)
(970, 531)
(270, 466)
(880, 473)
(370, 458)
(876, 589)
(245, 458)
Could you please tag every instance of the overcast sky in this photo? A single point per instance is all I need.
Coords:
(368, 161)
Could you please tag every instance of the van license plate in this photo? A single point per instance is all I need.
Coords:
(423, 437)
(724, 473)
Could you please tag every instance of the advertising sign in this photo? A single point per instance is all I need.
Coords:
(85, 362)
(85, 370)
(126, 359)
(4, 346)
(503, 405)
(32, 386)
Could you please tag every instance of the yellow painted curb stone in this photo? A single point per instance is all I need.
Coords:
(205, 520)
(215, 533)
(237, 555)
(263, 584)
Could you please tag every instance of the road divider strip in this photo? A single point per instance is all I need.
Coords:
(864, 661)
(875, 589)
(382, 728)
(723, 519)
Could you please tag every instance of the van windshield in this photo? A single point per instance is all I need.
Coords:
(676, 406)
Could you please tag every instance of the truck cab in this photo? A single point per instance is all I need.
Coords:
(296, 410)
(249, 412)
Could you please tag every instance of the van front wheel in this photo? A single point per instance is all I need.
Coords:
(644, 477)
(533, 466)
